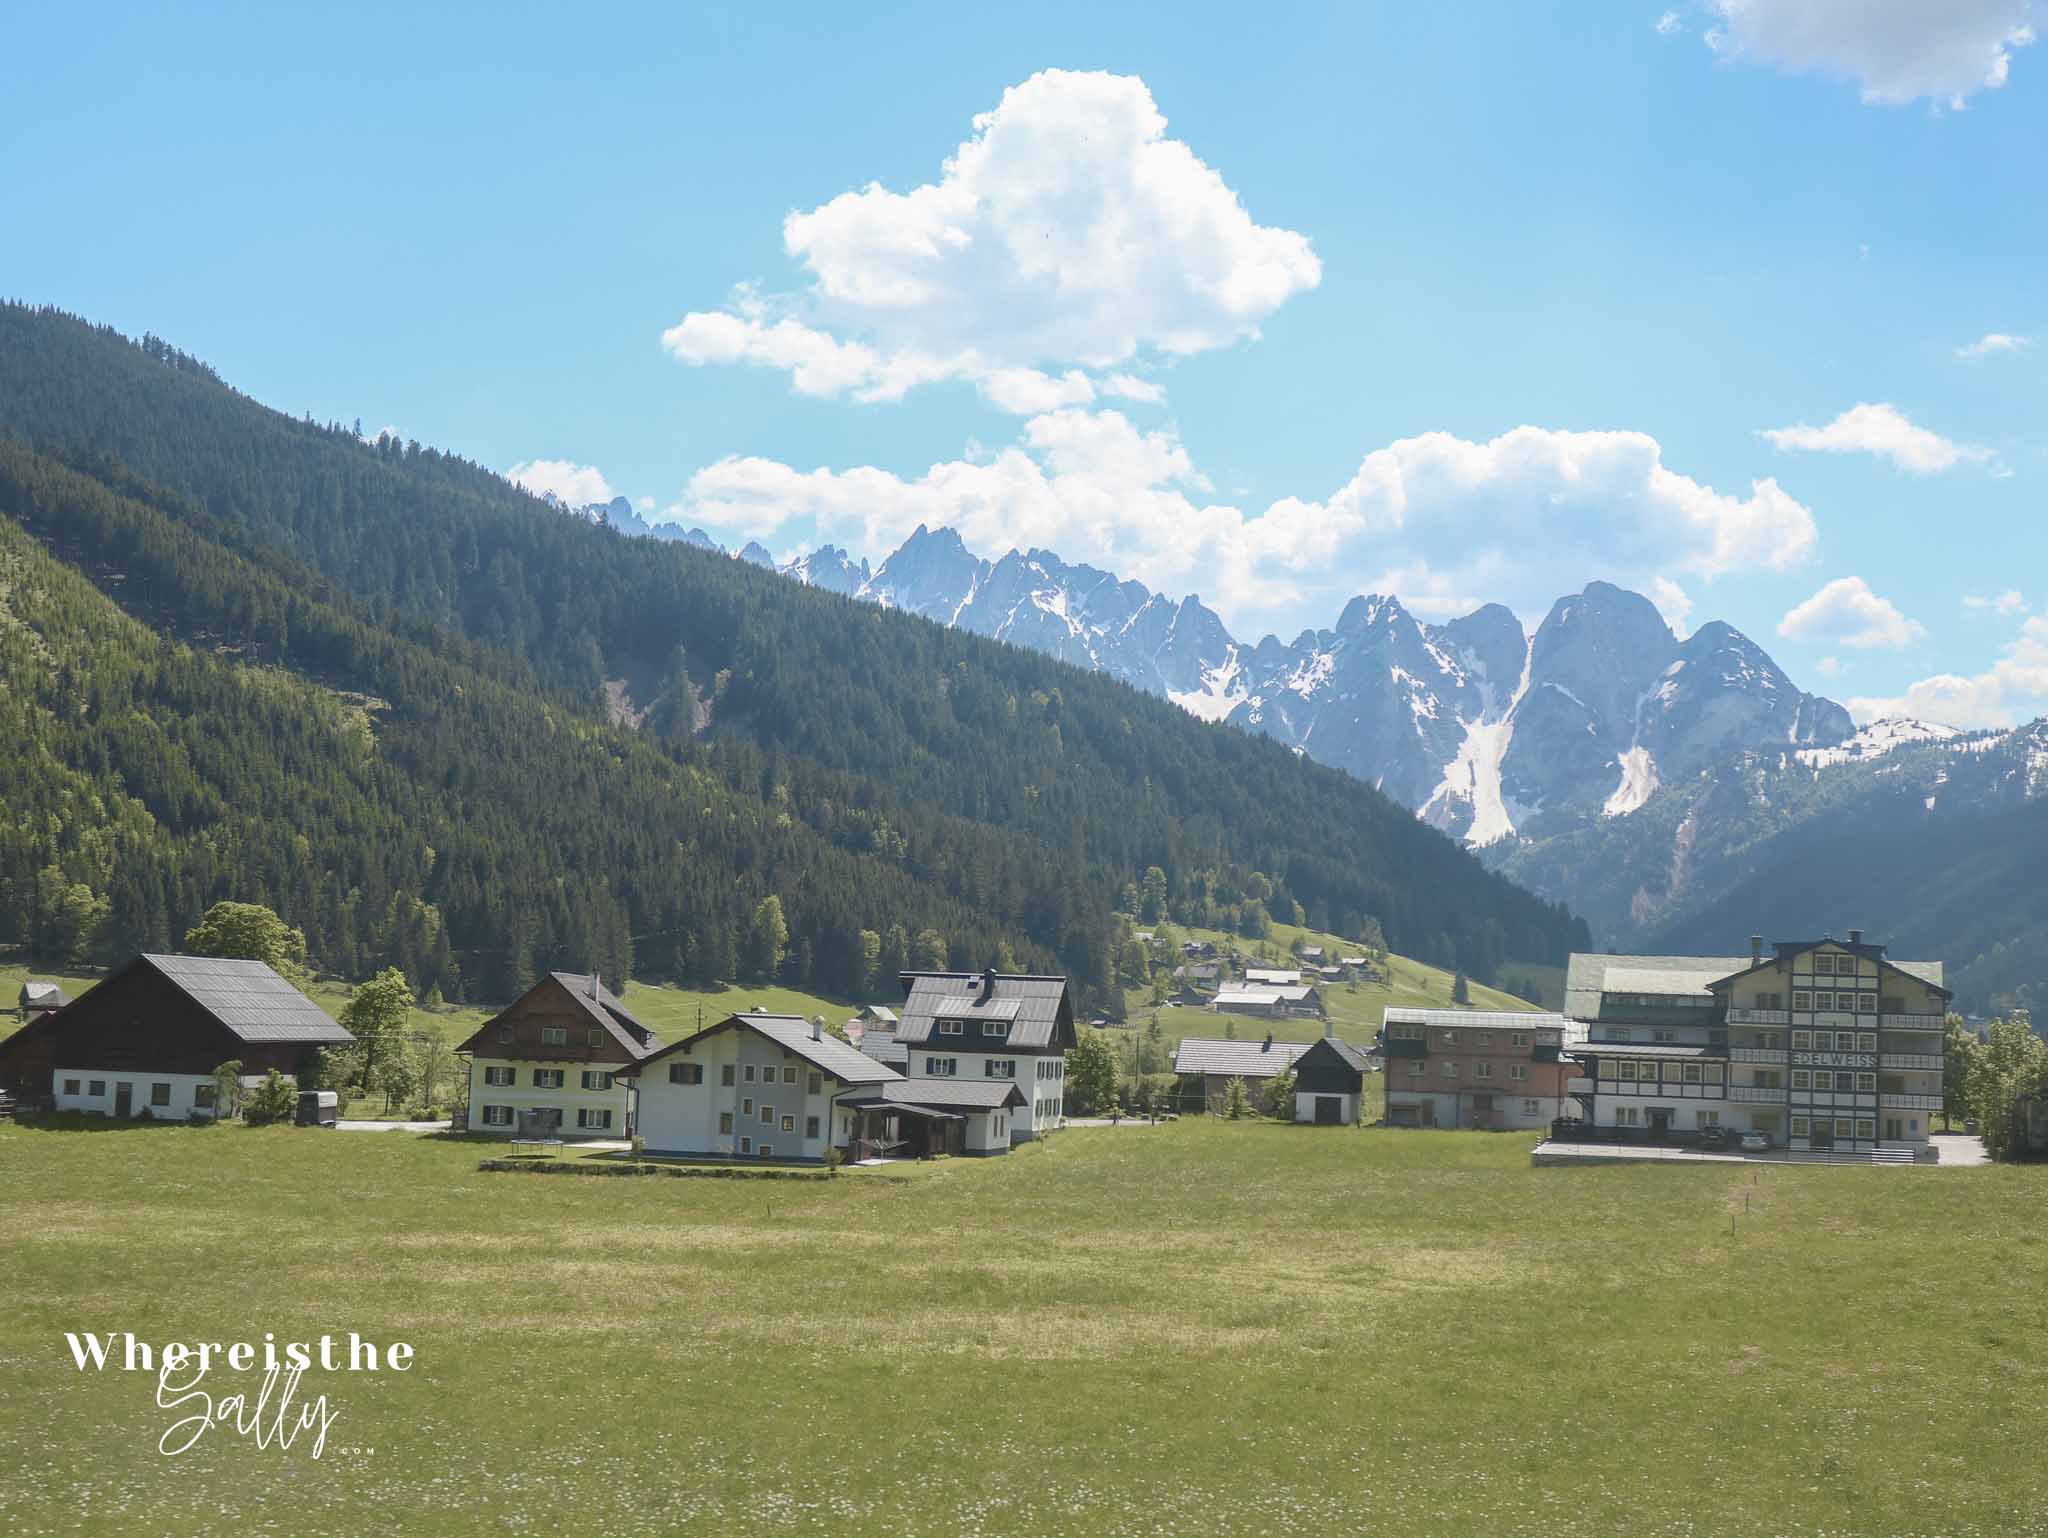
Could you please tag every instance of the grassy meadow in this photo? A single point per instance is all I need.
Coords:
(1196, 1328)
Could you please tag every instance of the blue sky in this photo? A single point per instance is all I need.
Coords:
(1469, 303)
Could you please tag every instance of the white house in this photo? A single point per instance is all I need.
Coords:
(995, 1025)
(776, 1087)
(553, 1062)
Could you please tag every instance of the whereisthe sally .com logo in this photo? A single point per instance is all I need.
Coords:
(272, 1411)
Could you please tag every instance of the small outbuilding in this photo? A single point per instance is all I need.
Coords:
(1329, 1083)
(39, 997)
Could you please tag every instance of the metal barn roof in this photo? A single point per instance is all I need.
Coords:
(249, 999)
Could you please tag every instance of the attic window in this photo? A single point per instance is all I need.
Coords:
(504, 1033)
(950, 1027)
(596, 1036)
(554, 1036)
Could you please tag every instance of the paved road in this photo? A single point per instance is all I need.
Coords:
(393, 1126)
(1957, 1149)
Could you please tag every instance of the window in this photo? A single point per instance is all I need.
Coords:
(595, 1079)
(1801, 1079)
(1415, 1068)
(1450, 1068)
(949, 1027)
(1715, 1072)
(1666, 1036)
(789, 1073)
(1482, 1102)
(1625, 1070)
(1799, 1126)
(504, 1033)
(1518, 1071)
(1866, 1128)
(1844, 1127)
(1710, 1118)
(1802, 1041)
(499, 1077)
(1824, 964)
(768, 1113)
(686, 1073)
(767, 1151)
(1447, 1038)
(789, 1124)
(1692, 1073)
(747, 1106)
(1532, 1108)
(1866, 1041)
(999, 1067)
(747, 1073)
(554, 1036)
(1768, 1040)
(1768, 1078)
(725, 1123)
(1518, 1038)
(593, 1116)
(746, 1145)
(1626, 1116)
(547, 1078)
(1866, 1083)
(1482, 1069)
(815, 1085)
(1845, 1082)
(1800, 1001)
(96, 1087)
(941, 1067)
(70, 1086)
(1823, 1001)
(597, 1036)
(1621, 1033)
(497, 1116)
(202, 1095)
(810, 1126)
(725, 1075)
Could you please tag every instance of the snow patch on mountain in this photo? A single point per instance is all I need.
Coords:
(1880, 737)
(1220, 694)
(1638, 783)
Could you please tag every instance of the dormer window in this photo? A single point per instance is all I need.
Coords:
(950, 1027)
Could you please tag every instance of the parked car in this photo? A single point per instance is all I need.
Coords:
(1754, 1140)
(1715, 1137)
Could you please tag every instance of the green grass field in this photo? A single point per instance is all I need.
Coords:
(1196, 1328)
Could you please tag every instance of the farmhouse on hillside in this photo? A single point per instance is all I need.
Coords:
(776, 1087)
(1216, 1063)
(1281, 1003)
(994, 1025)
(145, 1041)
(1475, 1068)
(1820, 1045)
(38, 996)
(549, 1063)
(1329, 1082)
(1272, 977)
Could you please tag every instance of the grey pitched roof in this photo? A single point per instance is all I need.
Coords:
(1350, 1056)
(844, 1062)
(1585, 976)
(955, 1094)
(1238, 1059)
(1036, 1007)
(883, 1047)
(1475, 1019)
(37, 994)
(249, 999)
(609, 1011)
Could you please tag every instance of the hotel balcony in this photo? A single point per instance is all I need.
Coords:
(1752, 1094)
(1756, 1054)
(1578, 1086)
(1910, 1022)
(1759, 1017)
(1910, 1102)
(1920, 1062)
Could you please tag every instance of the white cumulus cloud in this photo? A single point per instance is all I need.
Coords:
(2006, 603)
(1896, 51)
(1067, 232)
(1847, 613)
(2013, 688)
(1670, 24)
(1882, 430)
(572, 483)
(1442, 521)
(1994, 342)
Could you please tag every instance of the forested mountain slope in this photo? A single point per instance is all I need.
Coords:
(875, 771)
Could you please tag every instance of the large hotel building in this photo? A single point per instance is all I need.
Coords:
(1820, 1044)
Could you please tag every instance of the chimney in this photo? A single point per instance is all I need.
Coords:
(817, 1027)
(1268, 1044)
(1855, 937)
(988, 984)
(593, 979)
(1330, 1028)
(1756, 950)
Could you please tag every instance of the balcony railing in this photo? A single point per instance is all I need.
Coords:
(1759, 1017)
(1923, 1062)
(1755, 1094)
(1578, 1086)
(1891, 1022)
(1756, 1054)
(1910, 1102)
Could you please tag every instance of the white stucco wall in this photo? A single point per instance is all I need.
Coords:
(522, 1095)
(685, 1118)
(1045, 1097)
(1305, 1106)
(182, 1090)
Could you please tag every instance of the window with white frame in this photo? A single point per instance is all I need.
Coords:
(747, 1106)
(595, 1079)
(767, 1151)
(497, 1116)
(1694, 1073)
(1482, 1069)
(998, 1068)
(1518, 1038)
(686, 1073)
(1518, 1071)
(1416, 1068)
(96, 1087)
(1802, 1041)
(70, 1086)
(1866, 1083)
(1802, 1078)
(789, 1073)
(1627, 1116)
(1866, 1128)
(1866, 1003)
(949, 1027)
(1532, 1107)
(1800, 1001)
(747, 1072)
(789, 1124)
(1449, 1068)
(941, 1067)
(1866, 1041)
(547, 1078)
(596, 1038)
(1824, 964)
(725, 1123)
(725, 1074)
(768, 1113)
(746, 1145)
(1845, 1126)
(593, 1117)
(810, 1126)
(554, 1036)
(1799, 1126)
(1710, 1118)
(499, 1077)
(816, 1084)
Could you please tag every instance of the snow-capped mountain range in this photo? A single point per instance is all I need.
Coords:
(1485, 730)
